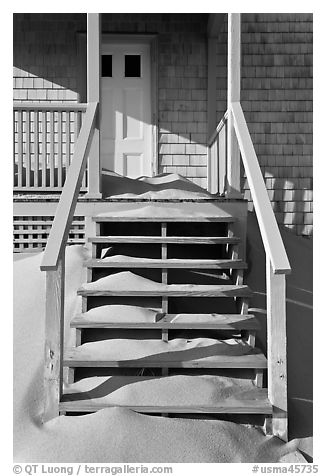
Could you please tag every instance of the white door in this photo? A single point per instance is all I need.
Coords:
(126, 130)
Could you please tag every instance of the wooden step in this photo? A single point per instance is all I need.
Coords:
(260, 406)
(133, 262)
(172, 290)
(228, 322)
(171, 394)
(254, 361)
(201, 240)
(162, 219)
(177, 353)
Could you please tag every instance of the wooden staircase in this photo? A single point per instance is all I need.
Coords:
(185, 274)
(181, 272)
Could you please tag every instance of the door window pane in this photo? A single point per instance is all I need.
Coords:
(107, 66)
(132, 66)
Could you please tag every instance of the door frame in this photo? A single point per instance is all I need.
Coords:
(152, 41)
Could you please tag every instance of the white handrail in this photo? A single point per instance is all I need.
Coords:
(66, 207)
(270, 233)
(49, 106)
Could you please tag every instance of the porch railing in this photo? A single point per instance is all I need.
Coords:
(45, 136)
(54, 264)
(217, 158)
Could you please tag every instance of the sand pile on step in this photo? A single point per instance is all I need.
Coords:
(111, 435)
(126, 280)
(131, 259)
(171, 194)
(177, 390)
(164, 186)
(198, 318)
(166, 211)
(119, 313)
(121, 281)
(174, 350)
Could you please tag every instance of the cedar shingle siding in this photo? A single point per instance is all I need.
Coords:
(276, 90)
(276, 96)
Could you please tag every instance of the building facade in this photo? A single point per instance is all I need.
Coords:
(187, 68)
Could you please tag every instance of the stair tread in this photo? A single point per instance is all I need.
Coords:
(169, 321)
(177, 290)
(165, 239)
(164, 218)
(178, 353)
(126, 283)
(166, 212)
(175, 394)
(262, 407)
(182, 290)
(123, 261)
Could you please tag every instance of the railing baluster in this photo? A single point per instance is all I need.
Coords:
(36, 150)
(68, 140)
(216, 156)
(84, 181)
(20, 148)
(222, 160)
(214, 187)
(60, 149)
(28, 150)
(43, 149)
(52, 165)
(76, 127)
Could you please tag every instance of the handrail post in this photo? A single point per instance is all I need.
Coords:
(276, 349)
(54, 329)
(93, 95)
(234, 79)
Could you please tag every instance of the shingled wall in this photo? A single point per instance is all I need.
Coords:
(276, 96)
(45, 56)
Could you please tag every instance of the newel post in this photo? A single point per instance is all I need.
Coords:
(93, 95)
(234, 80)
(276, 349)
(54, 328)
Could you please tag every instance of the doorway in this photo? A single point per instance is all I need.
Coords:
(127, 126)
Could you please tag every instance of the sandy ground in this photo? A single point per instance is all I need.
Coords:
(111, 435)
